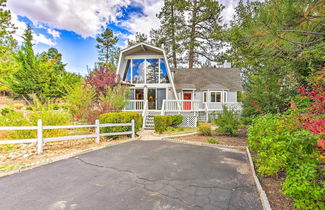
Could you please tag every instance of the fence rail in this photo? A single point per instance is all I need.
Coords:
(40, 140)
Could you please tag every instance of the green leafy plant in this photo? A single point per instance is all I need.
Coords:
(212, 141)
(205, 129)
(162, 122)
(228, 121)
(176, 120)
(120, 117)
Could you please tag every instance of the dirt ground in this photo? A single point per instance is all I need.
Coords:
(271, 185)
(23, 154)
(239, 140)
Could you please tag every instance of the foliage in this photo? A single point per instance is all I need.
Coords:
(115, 99)
(212, 141)
(40, 75)
(107, 52)
(205, 129)
(102, 79)
(162, 122)
(176, 120)
(280, 145)
(303, 183)
(120, 117)
(139, 37)
(179, 129)
(278, 44)
(227, 121)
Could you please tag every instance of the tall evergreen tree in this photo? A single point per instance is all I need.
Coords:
(106, 46)
(202, 31)
(139, 37)
(7, 45)
(172, 20)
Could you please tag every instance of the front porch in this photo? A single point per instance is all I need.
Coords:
(188, 108)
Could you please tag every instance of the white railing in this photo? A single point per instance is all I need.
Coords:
(217, 106)
(135, 105)
(144, 113)
(40, 140)
(181, 105)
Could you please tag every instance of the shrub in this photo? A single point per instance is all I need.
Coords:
(305, 185)
(212, 141)
(176, 120)
(120, 117)
(161, 123)
(227, 121)
(205, 129)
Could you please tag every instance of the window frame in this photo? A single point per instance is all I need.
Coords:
(215, 92)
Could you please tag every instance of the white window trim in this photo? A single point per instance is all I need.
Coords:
(225, 96)
(221, 96)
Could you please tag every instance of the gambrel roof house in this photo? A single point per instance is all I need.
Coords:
(158, 89)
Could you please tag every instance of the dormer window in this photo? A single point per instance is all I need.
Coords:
(146, 71)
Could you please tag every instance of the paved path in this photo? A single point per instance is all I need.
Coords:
(137, 175)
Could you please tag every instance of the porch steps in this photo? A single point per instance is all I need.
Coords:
(149, 124)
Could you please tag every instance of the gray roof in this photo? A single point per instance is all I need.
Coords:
(208, 78)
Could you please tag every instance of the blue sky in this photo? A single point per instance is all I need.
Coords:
(71, 26)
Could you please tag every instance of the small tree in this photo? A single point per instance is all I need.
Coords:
(227, 121)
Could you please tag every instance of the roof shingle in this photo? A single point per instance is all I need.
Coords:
(208, 78)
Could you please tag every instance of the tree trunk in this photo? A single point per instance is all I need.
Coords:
(192, 36)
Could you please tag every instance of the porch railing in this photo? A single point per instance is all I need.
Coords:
(144, 113)
(135, 105)
(181, 105)
(216, 106)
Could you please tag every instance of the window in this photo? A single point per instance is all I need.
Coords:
(205, 95)
(127, 77)
(152, 69)
(138, 71)
(163, 72)
(215, 97)
(146, 71)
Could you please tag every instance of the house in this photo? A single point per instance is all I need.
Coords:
(158, 89)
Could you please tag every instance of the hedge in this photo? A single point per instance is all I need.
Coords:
(161, 123)
(120, 117)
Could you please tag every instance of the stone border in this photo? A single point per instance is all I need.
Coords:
(264, 200)
(58, 158)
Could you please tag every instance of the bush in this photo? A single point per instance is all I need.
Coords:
(205, 129)
(212, 141)
(227, 121)
(176, 120)
(281, 146)
(162, 122)
(120, 117)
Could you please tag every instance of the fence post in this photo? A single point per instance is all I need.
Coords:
(97, 130)
(133, 129)
(39, 137)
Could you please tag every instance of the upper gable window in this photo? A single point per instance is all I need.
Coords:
(146, 71)
(152, 69)
(138, 71)
(163, 72)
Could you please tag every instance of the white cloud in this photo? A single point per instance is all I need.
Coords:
(55, 34)
(80, 16)
(21, 27)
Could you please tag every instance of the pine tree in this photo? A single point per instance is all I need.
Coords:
(202, 30)
(172, 20)
(106, 46)
(139, 37)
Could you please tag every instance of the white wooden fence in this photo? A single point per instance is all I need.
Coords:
(40, 140)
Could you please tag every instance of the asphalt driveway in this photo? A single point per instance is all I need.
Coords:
(137, 175)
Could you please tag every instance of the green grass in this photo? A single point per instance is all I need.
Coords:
(212, 141)
(5, 168)
(171, 130)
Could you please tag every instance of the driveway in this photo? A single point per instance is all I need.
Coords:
(137, 175)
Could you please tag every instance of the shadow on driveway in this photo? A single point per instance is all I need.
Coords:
(137, 175)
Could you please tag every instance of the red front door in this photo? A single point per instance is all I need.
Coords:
(187, 104)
